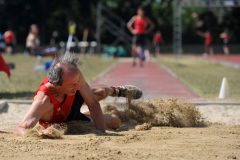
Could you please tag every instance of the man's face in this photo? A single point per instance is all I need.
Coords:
(71, 83)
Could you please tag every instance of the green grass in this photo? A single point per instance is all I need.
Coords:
(24, 80)
(204, 77)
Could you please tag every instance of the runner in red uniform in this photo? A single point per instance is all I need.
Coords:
(208, 40)
(10, 41)
(61, 94)
(139, 25)
(157, 41)
(208, 43)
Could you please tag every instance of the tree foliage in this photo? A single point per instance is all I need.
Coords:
(52, 15)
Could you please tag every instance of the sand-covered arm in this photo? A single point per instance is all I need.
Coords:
(35, 112)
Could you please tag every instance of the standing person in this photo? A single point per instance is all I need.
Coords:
(10, 41)
(139, 25)
(208, 40)
(54, 41)
(157, 41)
(72, 36)
(208, 43)
(225, 39)
(32, 42)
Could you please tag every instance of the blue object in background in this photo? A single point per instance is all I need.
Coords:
(141, 55)
(47, 65)
(2, 44)
(112, 51)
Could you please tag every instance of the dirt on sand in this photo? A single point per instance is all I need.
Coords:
(158, 112)
(142, 137)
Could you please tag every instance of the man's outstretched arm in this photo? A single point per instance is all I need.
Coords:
(93, 105)
(33, 114)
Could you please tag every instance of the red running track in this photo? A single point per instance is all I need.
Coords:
(234, 59)
(153, 80)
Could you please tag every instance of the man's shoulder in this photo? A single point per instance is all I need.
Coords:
(41, 99)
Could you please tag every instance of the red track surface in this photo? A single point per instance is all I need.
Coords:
(153, 80)
(235, 59)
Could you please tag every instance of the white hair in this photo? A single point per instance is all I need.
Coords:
(55, 72)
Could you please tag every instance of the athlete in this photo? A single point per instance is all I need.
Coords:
(157, 41)
(61, 95)
(33, 44)
(225, 39)
(10, 41)
(208, 41)
(139, 25)
(32, 41)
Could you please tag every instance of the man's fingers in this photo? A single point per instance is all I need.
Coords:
(45, 133)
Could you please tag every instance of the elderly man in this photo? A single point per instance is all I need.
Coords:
(61, 95)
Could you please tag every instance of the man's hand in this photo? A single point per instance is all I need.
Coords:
(133, 31)
(39, 106)
(19, 131)
(50, 132)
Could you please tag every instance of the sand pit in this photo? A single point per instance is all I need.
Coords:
(158, 112)
(147, 138)
(139, 114)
